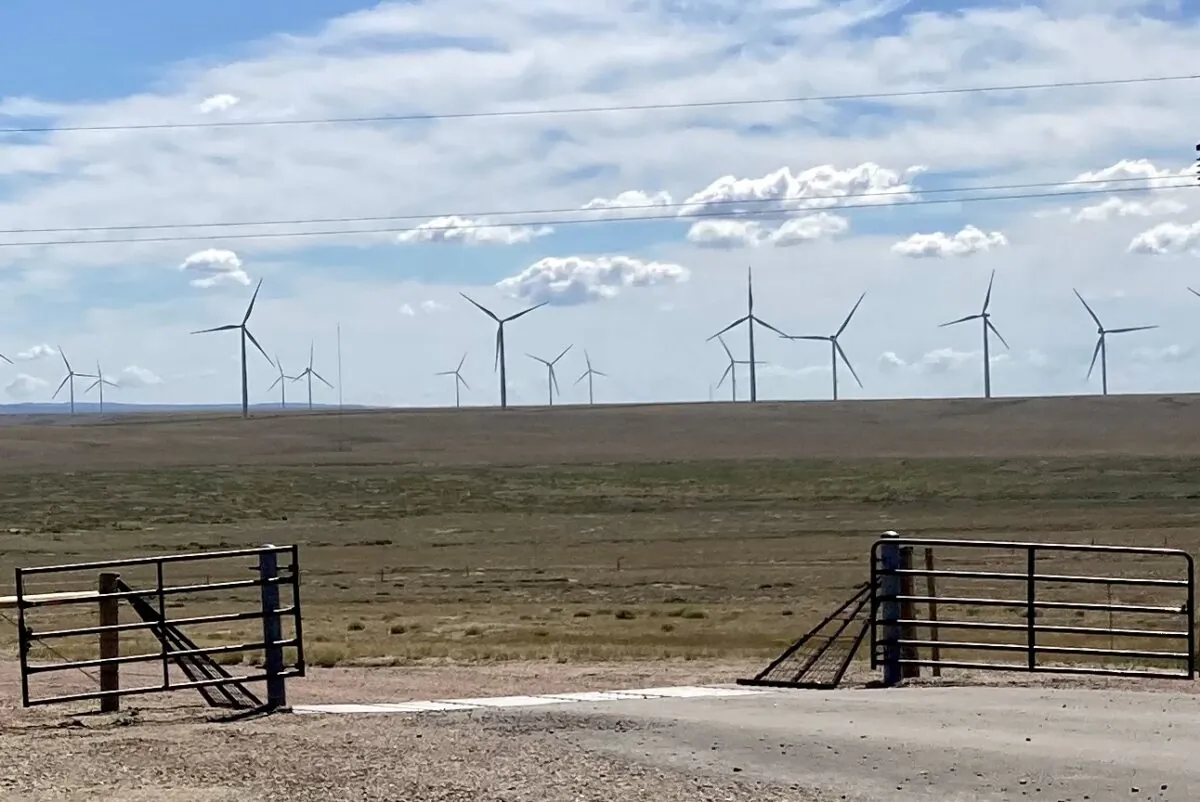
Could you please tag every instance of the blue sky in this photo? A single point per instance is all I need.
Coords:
(641, 296)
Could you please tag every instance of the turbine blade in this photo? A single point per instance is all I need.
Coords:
(587, 358)
(311, 349)
(66, 379)
(253, 298)
(987, 299)
(846, 322)
(728, 353)
(445, 373)
(1129, 329)
(734, 324)
(599, 373)
(1099, 325)
(1193, 292)
(996, 331)
(461, 361)
(846, 359)
(824, 337)
(6, 359)
(250, 337)
(960, 320)
(1095, 353)
(63, 354)
(525, 312)
(762, 322)
(750, 290)
(554, 381)
(112, 384)
(464, 381)
(321, 378)
(230, 327)
(725, 375)
(582, 376)
(539, 359)
(91, 386)
(499, 335)
(481, 307)
(277, 381)
(563, 353)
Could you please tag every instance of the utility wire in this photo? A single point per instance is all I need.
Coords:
(705, 104)
(574, 210)
(726, 215)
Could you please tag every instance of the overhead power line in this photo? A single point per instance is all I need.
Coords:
(726, 215)
(701, 104)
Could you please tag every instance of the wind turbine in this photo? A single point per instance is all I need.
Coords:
(730, 370)
(245, 334)
(749, 319)
(282, 382)
(9, 361)
(551, 379)
(835, 347)
(500, 343)
(458, 380)
(99, 382)
(308, 373)
(1101, 349)
(70, 377)
(588, 374)
(986, 319)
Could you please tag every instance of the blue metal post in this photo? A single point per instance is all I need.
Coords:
(268, 572)
(889, 610)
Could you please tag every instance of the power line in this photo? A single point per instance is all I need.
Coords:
(573, 210)
(702, 104)
(735, 215)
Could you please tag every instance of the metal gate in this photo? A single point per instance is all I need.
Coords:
(217, 580)
(1071, 608)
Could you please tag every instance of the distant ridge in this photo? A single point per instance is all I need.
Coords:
(113, 408)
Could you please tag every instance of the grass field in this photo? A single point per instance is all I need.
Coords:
(602, 533)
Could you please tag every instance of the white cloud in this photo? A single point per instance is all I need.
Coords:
(472, 232)
(938, 361)
(577, 279)
(407, 310)
(134, 376)
(728, 234)
(1166, 238)
(1168, 354)
(221, 102)
(1128, 173)
(630, 203)
(23, 386)
(39, 351)
(215, 266)
(430, 307)
(1123, 207)
(967, 242)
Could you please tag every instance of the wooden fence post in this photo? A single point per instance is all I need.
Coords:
(110, 642)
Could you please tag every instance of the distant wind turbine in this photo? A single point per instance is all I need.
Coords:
(730, 370)
(458, 380)
(100, 382)
(282, 381)
(749, 319)
(69, 378)
(551, 379)
(309, 373)
(588, 374)
(245, 335)
(835, 347)
(6, 359)
(500, 342)
(1101, 349)
(988, 327)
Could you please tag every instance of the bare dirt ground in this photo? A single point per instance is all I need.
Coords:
(451, 547)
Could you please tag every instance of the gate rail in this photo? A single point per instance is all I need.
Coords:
(150, 605)
(893, 602)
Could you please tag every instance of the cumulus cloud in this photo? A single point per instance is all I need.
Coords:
(631, 203)
(471, 232)
(220, 102)
(816, 188)
(134, 376)
(576, 279)
(428, 307)
(215, 266)
(1167, 238)
(729, 234)
(967, 242)
(39, 351)
(1111, 208)
(23, 386)
(1133, 173)
(937, 361)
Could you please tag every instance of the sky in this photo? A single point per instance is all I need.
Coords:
(824, 199)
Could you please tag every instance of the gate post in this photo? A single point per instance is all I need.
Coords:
(110, 641)
(268, 573)
(889, 609)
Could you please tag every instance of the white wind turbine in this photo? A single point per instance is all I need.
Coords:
(500, 357)
(588, 374)
(282, 381)
(750, 319)
(100, 382)
(988, 327)
(245, 335)
(459, 381)
(551, 379)
(309, 373)
(69, 379)
(730, 370)
(836, 348)
(1101, 349)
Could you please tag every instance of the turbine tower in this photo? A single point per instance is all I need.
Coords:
(282, 381)
(500, 343)
(1101, 349)
(69, 378)
(835, 347)
(986, 319)
(551, 379)
(749, 319)
(100, 382)
(730, 370)
(459, 381)
(245, 335)
(308, 373)
(588, 374)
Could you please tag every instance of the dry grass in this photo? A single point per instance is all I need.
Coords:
(688, 531)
